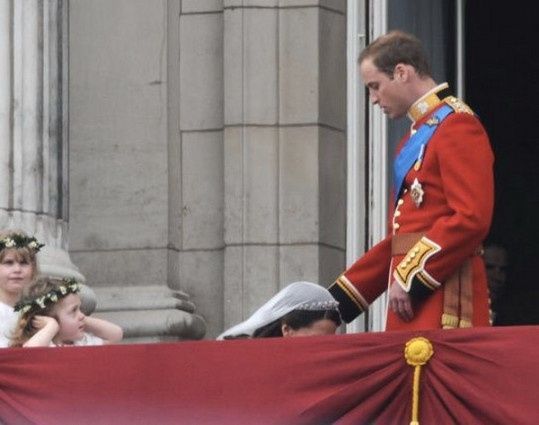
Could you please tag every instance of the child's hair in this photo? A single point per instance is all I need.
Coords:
(25, 247)
(39, 300)
(297, 319)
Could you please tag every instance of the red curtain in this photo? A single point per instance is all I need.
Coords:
(476, 376)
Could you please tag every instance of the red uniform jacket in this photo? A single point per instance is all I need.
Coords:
(455, 183)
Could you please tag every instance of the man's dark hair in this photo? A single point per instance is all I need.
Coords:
(296, 319)
(397, 47)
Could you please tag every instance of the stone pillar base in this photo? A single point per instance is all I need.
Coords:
(150, 313)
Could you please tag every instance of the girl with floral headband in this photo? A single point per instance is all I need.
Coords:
(18, 268)
(299, 309)
(51, 317)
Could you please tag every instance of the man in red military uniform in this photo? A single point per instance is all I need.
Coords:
(443, 199)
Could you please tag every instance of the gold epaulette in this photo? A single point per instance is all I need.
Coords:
(458, 105)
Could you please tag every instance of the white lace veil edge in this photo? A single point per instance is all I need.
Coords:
(296, 296)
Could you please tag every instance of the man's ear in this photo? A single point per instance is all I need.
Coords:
(401, 72)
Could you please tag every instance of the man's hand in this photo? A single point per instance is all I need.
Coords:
(400, 302)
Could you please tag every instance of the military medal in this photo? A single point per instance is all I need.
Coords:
(419, 160)
(416, 192)
(433, 121)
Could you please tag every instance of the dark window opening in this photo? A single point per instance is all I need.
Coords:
(502, 65)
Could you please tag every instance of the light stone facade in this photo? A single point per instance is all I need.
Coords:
(207, 156)
(33, 131)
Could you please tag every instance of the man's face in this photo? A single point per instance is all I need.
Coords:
(384, 91)
(496, 264)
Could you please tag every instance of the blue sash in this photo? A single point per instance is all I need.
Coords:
(415, 147)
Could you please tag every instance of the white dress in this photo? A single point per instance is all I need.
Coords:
(87, 340)
(8, 321)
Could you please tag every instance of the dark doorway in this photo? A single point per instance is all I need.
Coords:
(502, 86)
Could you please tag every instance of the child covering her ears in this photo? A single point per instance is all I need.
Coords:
(51, 317)
(18, 268)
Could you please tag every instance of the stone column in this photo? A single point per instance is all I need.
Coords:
(195, 156)
(284, 147)
(33, 128)
(128, 199)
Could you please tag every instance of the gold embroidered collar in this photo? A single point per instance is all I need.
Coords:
(426, 103)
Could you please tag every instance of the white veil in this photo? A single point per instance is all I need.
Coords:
(296, 296)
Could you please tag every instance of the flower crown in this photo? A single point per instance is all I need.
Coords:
(69, 286)
(20, 241)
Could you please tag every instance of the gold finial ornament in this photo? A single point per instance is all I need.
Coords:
(417, 352)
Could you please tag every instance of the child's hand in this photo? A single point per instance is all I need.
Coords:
(47, 328)
(40, 322)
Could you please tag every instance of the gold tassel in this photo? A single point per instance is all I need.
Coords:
(449, 321)
(465, 323)
(417, 352)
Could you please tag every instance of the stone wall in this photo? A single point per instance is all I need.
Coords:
(207, 150)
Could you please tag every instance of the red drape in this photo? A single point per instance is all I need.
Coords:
(476, 376)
